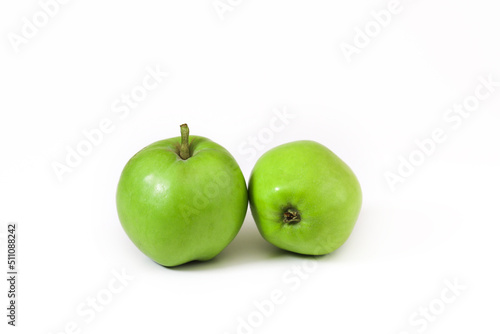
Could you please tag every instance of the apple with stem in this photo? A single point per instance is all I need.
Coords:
(182, 199)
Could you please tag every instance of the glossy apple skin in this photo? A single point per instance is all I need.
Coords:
(308, 177)
(176, 211)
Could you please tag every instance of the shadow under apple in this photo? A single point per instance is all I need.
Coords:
(249, 247)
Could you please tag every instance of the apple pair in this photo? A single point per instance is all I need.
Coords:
(185, 198)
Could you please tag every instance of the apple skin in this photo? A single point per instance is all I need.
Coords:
(307, 178)
(176, 211)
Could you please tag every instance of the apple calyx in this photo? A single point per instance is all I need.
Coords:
(291, 216)
(184, 149)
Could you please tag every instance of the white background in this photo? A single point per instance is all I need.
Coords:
(227, 77)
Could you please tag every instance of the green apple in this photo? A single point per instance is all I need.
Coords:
(304, 198)
(182, 199)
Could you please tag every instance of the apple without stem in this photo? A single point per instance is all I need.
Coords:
(182, 199)
(304, 198)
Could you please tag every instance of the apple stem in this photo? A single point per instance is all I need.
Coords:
(291, 216)
(184, 150)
